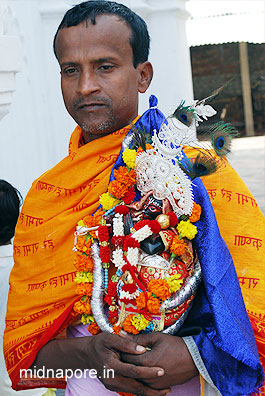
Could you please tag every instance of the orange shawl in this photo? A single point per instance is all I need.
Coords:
(42, 288)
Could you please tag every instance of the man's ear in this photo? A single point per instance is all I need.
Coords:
(145, 70)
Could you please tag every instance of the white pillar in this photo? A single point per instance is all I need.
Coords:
(9, 63)
(170, 53)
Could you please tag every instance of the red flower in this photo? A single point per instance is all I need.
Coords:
(105, 254)
(129, 287)
(155, 226)
(129, 196)
(103, 233)
(141, 224)
(173, 219)
(121, 209)
(130, 242)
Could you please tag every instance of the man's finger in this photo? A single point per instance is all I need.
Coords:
(123, 345)
(136, 372)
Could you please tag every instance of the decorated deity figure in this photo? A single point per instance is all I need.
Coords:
(145, 230)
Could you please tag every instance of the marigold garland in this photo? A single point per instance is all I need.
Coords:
(94, 329)
(174, 282)
(178, 246)
(128, 326)
(117, 189)
(83, 263)
(196, 213)
(160, 288)
(107, 201)
(123, 176)
(129, 157)
(139, 322)
(153, 305)
(186, 229)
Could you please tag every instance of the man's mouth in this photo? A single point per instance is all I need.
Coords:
(90, 106)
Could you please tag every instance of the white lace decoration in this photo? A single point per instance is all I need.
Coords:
(117, 258)
(129, 296)
(132, 256)
(142, 233)
(156, 172)
(118, 227)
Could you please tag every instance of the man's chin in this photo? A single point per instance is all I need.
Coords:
(97, 130)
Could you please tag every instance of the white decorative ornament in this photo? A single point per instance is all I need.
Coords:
(157, 170)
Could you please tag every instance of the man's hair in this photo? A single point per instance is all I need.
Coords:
(10, 202)
(88, 10)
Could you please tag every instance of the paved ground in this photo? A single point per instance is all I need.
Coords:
(248, 159)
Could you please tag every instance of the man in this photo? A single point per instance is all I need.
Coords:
(102, 48)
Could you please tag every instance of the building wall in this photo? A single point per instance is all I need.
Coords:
(213, 65)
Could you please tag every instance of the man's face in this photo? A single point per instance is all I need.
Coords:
(99, 82)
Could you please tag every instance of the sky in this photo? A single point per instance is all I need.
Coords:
(216, 21)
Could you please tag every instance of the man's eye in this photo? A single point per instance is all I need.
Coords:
(106, 67)
(70, 70)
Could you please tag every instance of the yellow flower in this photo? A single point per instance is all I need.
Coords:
(174, 283)
(128, 157)
(85, 319)
(81, 223)
(186, 229)
(82, 277)
(139, 322)
(107, 201)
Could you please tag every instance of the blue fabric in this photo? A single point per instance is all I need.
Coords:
(226, 343)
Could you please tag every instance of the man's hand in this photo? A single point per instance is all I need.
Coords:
(106, 349)
(102, 352)
(168, 352)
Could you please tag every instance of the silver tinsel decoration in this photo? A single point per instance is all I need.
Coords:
(190, 286)
(97, 293)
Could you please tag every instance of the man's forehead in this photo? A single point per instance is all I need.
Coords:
(108, 29)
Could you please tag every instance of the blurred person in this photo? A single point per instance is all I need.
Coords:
(10, 202)
(102, 48)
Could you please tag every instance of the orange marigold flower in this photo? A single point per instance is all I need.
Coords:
(128, 326)
(153, 305)
(159, 288)
(178, 246)
(117, 189)
(84, 289)
(140, 150)
(117, 329)
(196, 213)
(82, 307)
(89, 221)
(93, 329)
(83, 263)
(149, 147)
(123, 176)
(140, 301)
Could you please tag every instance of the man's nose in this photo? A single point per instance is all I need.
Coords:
(88, 83)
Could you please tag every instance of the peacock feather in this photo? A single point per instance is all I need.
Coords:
(215, 93)
(222, 135)
(202, 165)
(184, 114)
(140, 138)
